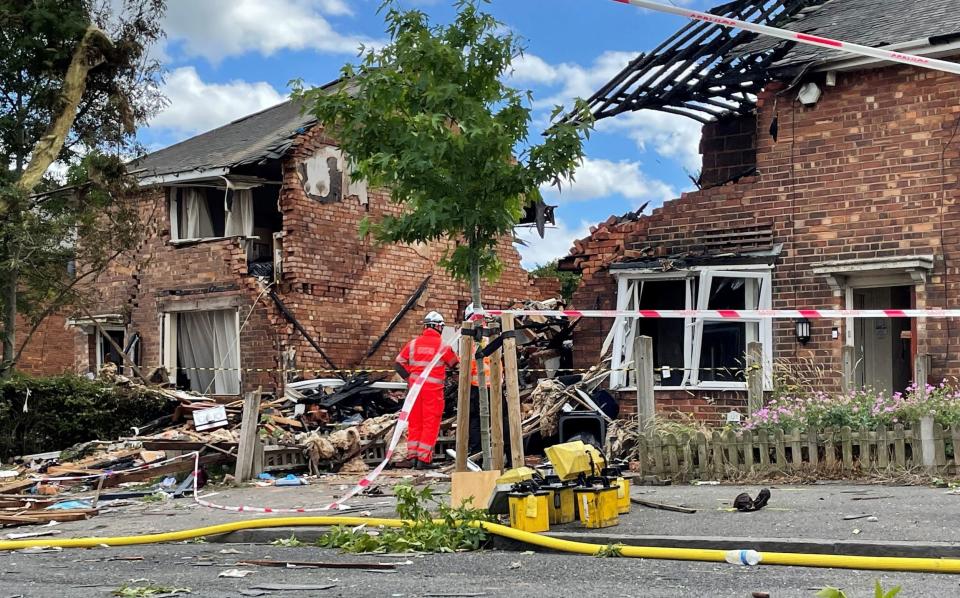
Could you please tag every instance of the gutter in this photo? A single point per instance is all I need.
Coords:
(926, 46)
(183, 176)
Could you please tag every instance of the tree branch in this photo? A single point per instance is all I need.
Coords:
(86, 57)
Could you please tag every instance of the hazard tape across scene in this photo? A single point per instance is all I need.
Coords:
(727, 314)
(803, 38)
(412, 394)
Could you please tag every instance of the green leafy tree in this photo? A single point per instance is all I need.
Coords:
(429, 117)
(76, 79)
(569, 281)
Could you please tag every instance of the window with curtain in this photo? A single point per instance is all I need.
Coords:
(207, 351)
(198, 213)
(693, 352)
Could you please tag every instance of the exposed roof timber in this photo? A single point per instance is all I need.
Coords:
(696, 69)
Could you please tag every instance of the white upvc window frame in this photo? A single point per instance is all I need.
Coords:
(168, 341)
(703, 276)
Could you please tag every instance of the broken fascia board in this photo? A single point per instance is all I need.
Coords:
(183, 176)
(99, 319)
(868, 265)
(919, 47)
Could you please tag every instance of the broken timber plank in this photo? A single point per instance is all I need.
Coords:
(16, 487)
(248, 436)
(320, 565)
(663, 506)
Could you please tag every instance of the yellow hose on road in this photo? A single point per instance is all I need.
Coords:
(919, 565)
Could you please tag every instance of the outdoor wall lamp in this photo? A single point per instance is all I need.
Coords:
(803, 330)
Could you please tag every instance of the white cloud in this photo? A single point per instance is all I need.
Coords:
(574, 80)
(197, 106)
(215, 29)
(670, 135)
(556, 242)
(596, 179)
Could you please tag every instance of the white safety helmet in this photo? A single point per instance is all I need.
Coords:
(433, 320)
(468, 313)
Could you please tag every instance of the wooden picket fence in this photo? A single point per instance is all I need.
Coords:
(733, 455)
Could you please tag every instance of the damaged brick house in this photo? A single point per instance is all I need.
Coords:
(828, 181)
(252, 265)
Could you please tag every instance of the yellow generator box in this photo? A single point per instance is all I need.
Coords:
(570, 459)
(623, 494)
(597, 506)
(529, 511)
(561, 503)
(514, 476)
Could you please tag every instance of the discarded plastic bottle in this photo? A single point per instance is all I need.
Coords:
(743, 557)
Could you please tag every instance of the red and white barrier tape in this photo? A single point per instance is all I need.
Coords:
(803, 38)
(412, 394)
(727, 314)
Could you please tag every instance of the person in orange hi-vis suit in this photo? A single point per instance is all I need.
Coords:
(411, 364)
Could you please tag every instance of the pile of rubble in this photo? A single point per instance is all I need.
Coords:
(544, 344)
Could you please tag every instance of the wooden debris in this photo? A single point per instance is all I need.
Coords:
(662, 506)
(320, 565)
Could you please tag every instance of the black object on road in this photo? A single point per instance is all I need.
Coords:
(744, 503)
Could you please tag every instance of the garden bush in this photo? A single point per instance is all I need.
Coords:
(53, 413)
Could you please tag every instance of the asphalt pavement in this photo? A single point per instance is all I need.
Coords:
(100, 572)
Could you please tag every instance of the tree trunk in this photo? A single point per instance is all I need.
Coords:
(9, 321)
(481, 376)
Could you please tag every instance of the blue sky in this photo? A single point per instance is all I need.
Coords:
(227, 58)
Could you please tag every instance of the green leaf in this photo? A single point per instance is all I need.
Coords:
(428, 116)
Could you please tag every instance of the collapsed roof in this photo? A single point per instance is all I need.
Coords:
(705, 70)
(253, 139)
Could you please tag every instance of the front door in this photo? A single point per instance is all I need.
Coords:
(883, 345)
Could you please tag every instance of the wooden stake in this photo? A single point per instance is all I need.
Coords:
(463, 399)
(643, 361)
(512, 376)
(848, 379)
(754, 377)
(496, 410)
(247, 447)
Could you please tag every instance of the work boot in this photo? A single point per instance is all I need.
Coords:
(424, 465)
(406, 464)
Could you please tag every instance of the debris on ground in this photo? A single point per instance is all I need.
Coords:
(745, 504)
(663, 506)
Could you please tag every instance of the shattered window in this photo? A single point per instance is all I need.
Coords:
(705, 352)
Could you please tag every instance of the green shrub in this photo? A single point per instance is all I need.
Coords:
(49, 414)
(452, 530)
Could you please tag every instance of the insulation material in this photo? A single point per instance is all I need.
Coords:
(544, 397)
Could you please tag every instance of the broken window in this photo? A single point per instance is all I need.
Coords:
(105, 351)
(203, 213)
(198, 213)
(202, 351)
(699, 352)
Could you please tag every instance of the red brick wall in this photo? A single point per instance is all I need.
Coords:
(44, 354)
(344, 290)
(135, 285)
(859, 175)
(729, 149)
